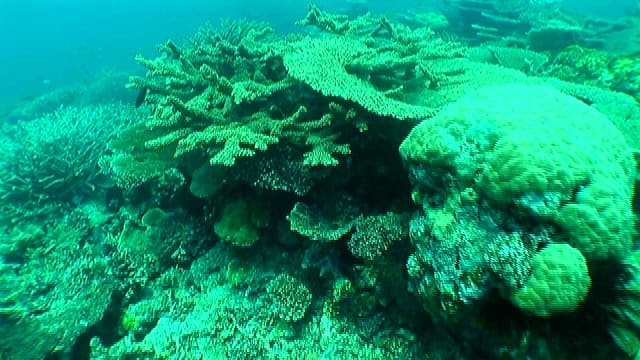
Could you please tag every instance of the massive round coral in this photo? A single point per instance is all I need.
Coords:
(501, 172)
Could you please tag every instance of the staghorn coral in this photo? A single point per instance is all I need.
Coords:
(327, 22)
(226, 96)
(321, 64)
(234, 95)
(381, 65)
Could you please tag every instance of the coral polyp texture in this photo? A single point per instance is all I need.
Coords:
(513, 168)
(290, 297)
(243, 93)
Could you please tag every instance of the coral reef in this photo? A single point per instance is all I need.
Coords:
(449, 185)
(491, 168)
(240, 221)
(625, 327)
(291, 298)
(59, 282)
(56, 158)
(559, 282)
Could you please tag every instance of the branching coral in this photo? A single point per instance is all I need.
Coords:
(321, 63)
(238, 92)
(223, 98)
(55, 157)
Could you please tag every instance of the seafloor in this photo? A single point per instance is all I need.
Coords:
(442, 185)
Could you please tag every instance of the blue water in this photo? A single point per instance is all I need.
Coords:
(54, 43)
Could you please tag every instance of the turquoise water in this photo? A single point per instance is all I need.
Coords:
(449, 179)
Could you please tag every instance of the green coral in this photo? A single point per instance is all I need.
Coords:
(144, 245)
(374, 235)
(323, 224)
(625, 312)
(138, 165)
(578, 172)
(239, 273)
(559, 282)
(625, 70)
(207, 180)
(222, 98)
(322, 64)
(105, 88)
(388, 68)
(581, 64)
(277, 169)
(524, 60)
(55, 157)
(240, 222)
(154, 217)
(196, 313)
(59, 288)
(597, 67)
(502, 172)
(290, 297)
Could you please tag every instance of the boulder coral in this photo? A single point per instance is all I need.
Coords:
(505, 172)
